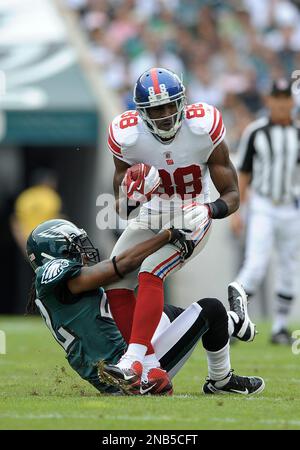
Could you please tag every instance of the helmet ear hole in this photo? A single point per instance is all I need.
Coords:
(65, 251)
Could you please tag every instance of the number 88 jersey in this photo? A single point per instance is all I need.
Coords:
(182, 162)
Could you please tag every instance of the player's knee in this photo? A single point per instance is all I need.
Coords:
(214, 312)
(213, 309)
(146, 269)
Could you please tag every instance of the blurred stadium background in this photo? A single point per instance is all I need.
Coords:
(68, 66)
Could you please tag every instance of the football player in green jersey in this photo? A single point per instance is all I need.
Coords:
(67, 291)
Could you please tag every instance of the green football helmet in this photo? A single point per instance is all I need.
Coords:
(60, 238)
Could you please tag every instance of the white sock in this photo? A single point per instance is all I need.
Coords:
(283, 306)
(232, 319)
(150, 361)
(221, 383)
(135, 352)
(218, 363)
(280, 322)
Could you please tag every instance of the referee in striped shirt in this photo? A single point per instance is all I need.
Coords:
(269, 163)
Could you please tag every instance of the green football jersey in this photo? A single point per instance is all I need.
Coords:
(81, 324)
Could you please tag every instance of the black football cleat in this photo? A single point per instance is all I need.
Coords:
(244, 329)
(158, 383)
(282, 337)
(128, 380)
(234, 385)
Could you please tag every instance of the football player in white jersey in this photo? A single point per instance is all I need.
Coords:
(185, 147)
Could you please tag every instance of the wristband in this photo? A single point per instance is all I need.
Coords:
(218, 209)
(116, 268)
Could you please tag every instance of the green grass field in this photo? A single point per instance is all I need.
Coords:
(40, 391)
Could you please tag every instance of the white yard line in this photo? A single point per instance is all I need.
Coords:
(280, 422)
(148, 418)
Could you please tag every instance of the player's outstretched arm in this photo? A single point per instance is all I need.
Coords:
(224, 177)
(108, 271)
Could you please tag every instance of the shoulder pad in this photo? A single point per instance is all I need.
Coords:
(123, 132)
(203, 118)
(56, 271)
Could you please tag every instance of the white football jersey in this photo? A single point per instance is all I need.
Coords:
(182, 163)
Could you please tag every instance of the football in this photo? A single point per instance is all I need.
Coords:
(139, 171)
(140, 182)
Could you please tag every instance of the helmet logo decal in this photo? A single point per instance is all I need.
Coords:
(157, 97)
(53, 232)
(53, 270)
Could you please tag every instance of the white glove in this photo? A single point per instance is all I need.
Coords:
(195, 215)
(152, 181)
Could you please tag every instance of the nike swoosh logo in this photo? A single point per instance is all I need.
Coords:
(234, 316)
(139, 187)
(242, 303)
(245, 392)
(128, 377)
(143, 391)
(130, 187)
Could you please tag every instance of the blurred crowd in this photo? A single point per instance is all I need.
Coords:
(228, 51)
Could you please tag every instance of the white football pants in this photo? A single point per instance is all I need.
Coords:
(164, 261)
(271, 226)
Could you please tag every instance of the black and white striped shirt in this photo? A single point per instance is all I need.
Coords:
(271, 153)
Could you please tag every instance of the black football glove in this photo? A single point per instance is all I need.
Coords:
(183, 241)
